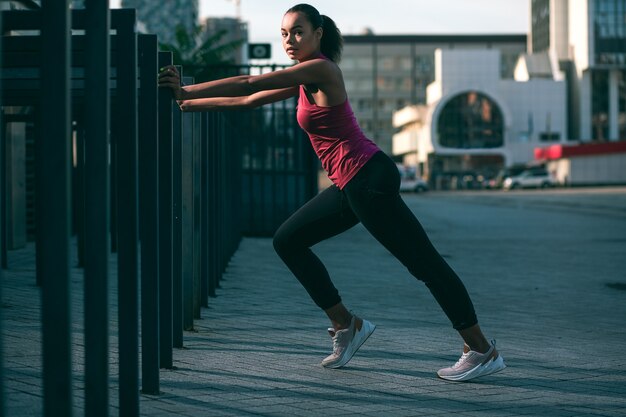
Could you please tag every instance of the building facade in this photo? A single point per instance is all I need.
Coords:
(475, 121)
(163, 17)
(598, 54)
(233, 30)
(588, 38)
(384, 73)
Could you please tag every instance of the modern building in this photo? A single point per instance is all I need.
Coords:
(384, 73)
(569, 87)
(163, 17)
(588, 39)
(598, 47)
(233, 30)
(476, 121)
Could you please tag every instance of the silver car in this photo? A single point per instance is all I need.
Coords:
(409, 181)
(537, 178)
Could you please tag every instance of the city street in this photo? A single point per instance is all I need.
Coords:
(546, 270)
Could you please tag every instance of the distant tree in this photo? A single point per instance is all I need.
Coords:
(200, 57)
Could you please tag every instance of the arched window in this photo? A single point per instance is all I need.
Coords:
(471, 120)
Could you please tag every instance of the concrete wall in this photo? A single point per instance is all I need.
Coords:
(590, 170)
(579, 34)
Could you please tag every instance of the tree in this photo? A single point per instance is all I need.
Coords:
(199, 58)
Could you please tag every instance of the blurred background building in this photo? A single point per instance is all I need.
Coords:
(234, 30)
(384, 73)
(562, 83)
(476, 122)
(479, 113)
(588, 38)
(163, 17)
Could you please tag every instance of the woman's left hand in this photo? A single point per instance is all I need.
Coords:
(170, 78)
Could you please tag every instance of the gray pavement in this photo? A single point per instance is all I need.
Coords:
(546, 270)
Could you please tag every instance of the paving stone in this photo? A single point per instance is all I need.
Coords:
(537, 265)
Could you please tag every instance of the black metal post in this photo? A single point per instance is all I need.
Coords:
(197, 232)
(220, 202)
(3, 202)
(149, 209)
(205, 272)
(187, 214)
(165, 219)
(127, 210)
(114, 196)
(177, 261)
(1, 248)
(55, 194)
(97, 208)
(213, 204)
(78, 187)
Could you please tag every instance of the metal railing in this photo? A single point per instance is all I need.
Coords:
(170, 193)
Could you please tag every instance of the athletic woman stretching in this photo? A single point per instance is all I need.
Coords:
(365, 189)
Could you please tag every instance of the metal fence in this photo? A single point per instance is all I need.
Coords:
(170, 193)
(279, 167)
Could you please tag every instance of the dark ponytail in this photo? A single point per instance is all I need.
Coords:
(332, 42)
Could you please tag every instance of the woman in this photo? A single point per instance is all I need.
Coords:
(365, 189)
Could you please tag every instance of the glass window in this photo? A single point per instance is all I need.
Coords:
(540, 15)
(507, 64)
(381, 83)
(600, 105)
(610, 31)
(402, 84)
(364, 104)
(549, 136)
(424, 63)
(348, 63)
(471, 120)
(386, 63)
(364, 63)
(622, 106)
(362, 85)
(405, 63)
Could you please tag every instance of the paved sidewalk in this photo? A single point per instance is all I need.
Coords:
(546, 271)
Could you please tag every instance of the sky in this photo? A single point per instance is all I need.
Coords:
(382, 16)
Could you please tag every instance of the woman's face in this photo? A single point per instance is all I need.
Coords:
(300, 41)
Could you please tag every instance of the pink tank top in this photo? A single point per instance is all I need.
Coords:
(336, 137)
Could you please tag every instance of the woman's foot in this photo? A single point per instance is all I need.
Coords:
(474, 364)
(347, 341)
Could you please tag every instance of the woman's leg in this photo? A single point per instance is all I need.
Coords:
(373, 196)
(326, 215)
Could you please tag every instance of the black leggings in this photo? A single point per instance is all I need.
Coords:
(372, 198)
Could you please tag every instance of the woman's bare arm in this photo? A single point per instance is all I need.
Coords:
(309, 72)
(241, 102)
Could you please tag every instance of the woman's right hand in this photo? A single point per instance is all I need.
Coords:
(170, 78)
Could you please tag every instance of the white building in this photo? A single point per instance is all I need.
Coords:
(588, 38)
(477, 122)
(384, 73)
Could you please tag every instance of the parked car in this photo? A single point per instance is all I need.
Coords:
(409, 181)
(498, 181)
(531, 178)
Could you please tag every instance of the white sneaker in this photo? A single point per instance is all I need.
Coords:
(347, 341)
(473, 364)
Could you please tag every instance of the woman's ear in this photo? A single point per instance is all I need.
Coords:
(319, 32)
